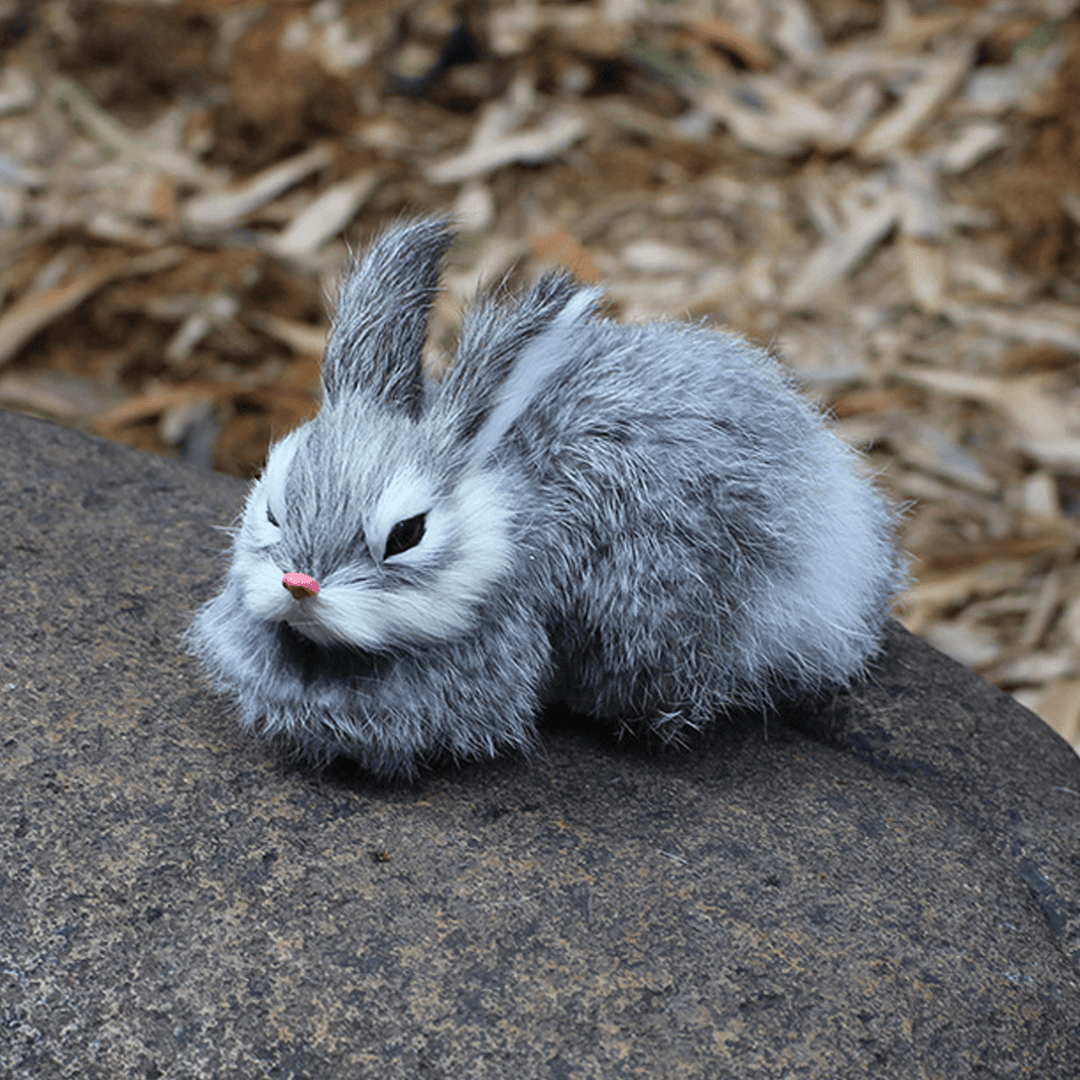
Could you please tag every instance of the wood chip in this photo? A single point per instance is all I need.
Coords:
(767, 115)
(301, 337)
(1054, 325)
(939, 593)
(940, 78)
(556, 133)
(924, 266)
(225, 209)
(112, 134)
(20, 322)
(1027, 401)
(1037, 667)
(21, 393)
(924, 445)
(969, 645)
(839, 253)
(151, 405)
(325, 216)
(974, 142)
(717, 31)
(797, 34)
(18, 90)
(1060, 455)
(1059, 705)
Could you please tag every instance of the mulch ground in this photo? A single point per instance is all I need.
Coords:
(887, 193)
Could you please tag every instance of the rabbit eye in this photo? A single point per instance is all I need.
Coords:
(404, 535)
(270, 517)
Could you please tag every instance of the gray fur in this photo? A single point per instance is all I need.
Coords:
(648, 523)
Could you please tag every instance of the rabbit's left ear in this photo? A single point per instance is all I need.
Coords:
(380, 326)
(507, 355)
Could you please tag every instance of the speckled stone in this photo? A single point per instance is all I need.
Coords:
(886, 888)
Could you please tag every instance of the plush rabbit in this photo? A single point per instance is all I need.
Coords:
(645, 522)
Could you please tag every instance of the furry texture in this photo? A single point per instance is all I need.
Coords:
(648, 523)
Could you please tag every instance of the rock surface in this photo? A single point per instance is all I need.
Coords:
(889, 888)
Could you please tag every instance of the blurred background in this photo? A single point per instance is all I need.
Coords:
(886, 193)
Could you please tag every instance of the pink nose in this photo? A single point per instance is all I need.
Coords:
(300, 585)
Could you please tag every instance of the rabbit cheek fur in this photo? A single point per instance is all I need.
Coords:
(648, 523)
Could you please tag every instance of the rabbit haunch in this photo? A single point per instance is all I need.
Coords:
(647, 522)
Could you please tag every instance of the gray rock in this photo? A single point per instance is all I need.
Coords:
(887, 886)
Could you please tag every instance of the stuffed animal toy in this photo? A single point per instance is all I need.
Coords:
(648, 523)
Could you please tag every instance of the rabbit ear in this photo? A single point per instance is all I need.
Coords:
(380, 326)
(506, 355)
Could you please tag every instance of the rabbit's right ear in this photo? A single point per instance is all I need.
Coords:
(380, 326)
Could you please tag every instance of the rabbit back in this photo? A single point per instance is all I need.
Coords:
(713, 545)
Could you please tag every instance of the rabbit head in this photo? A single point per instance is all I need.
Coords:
(380, 524)
(362, 503)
